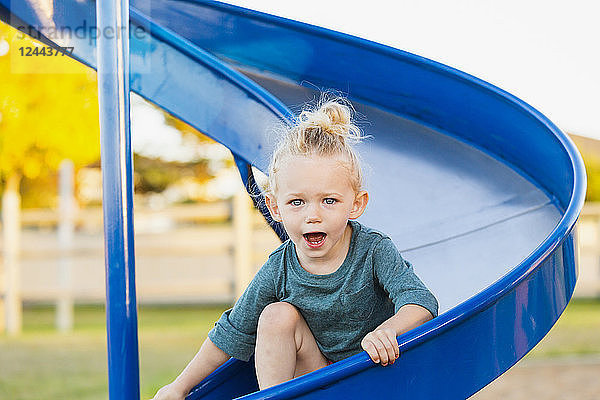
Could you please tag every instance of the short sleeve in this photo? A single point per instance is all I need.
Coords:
(399, 280)
(235, 331)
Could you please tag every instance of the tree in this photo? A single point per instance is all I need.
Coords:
(155, 175)
(48, 112)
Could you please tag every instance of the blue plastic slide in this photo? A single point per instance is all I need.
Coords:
(478, 190)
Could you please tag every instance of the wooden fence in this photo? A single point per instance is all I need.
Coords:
(588, 235)
(196, 253)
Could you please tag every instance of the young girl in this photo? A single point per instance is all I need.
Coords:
(335, 287)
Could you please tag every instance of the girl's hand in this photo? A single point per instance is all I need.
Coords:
(169, 392)
(382, 346)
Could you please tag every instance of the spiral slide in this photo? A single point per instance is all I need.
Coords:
(478, 190)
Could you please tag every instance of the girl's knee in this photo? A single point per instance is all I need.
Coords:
(279, 316)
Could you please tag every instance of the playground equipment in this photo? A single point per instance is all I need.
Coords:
(478, 190)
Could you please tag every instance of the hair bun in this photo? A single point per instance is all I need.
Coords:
(330, 117)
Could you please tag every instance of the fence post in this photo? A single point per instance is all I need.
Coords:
(242, 226)
(13, 307)
(66, 217)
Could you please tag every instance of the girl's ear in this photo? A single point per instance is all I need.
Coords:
(360, 203)
(272, 206)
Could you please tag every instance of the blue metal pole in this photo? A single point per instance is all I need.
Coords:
(117, 178)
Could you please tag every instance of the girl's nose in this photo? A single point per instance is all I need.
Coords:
(312, 219)
(312, 215)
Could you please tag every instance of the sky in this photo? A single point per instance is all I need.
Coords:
(547, 53)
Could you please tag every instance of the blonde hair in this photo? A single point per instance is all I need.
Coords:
(324, 129)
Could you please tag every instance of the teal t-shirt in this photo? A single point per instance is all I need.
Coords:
(340, 308)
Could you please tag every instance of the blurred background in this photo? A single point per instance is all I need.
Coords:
(198, 239)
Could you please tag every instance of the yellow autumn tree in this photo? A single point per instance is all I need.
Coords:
(44, 117)
(48, 112)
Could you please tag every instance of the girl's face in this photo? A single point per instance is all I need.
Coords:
(314, 200)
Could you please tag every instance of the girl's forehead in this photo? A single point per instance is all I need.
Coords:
(313, 174)
(331, 161)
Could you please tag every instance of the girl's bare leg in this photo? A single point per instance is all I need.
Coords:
(285, 346)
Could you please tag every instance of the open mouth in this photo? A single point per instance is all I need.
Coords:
(315, 239)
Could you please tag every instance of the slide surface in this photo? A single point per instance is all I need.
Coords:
(477, 189)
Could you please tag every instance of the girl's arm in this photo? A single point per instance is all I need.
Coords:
(414, 303)
(408, 317)
(381, 344)
(208, 358)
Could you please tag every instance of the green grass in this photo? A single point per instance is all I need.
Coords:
(575, 333)
(44, 364)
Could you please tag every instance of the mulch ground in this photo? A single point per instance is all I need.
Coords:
(573, 378)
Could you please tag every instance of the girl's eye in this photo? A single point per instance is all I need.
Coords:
(329, 201)
(296, 202)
